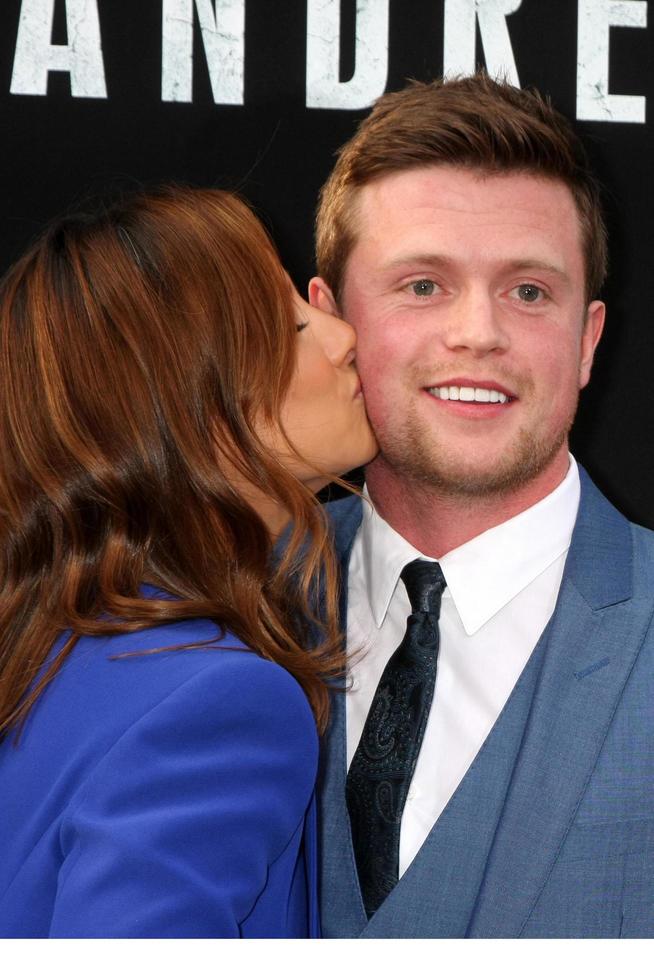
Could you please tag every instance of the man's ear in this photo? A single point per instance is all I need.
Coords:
(590, 338)
(321, 296)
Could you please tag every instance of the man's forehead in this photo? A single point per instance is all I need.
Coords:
(445, 201)
(460, 188)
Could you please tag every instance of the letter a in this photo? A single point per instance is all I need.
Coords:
(36, 56)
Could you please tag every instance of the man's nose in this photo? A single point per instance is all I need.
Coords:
(474, 323)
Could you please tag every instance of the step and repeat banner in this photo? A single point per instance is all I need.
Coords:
(256, 95)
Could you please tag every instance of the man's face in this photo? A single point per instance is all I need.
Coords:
(473, 335)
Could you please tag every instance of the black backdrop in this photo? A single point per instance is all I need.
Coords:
(63, 136)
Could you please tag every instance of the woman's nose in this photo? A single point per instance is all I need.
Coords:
(339, 341)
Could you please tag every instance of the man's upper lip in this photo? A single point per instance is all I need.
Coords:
(471, 383)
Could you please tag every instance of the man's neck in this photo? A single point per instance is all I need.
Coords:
(436, 522)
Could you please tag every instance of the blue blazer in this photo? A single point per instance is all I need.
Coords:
(551, 831)
(164, 795)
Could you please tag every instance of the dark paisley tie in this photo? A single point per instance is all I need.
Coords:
(382, 767)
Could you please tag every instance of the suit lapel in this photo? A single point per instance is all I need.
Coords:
(342, 911)
(592, 643)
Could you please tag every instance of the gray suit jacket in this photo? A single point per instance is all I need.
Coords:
(551, 831)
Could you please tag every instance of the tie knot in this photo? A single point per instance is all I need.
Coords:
(424, 583)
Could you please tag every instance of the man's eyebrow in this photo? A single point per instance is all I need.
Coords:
(426, 259)
(418, 258)
(527, 264)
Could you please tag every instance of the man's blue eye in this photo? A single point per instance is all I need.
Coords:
(529, 293)
(423, 287)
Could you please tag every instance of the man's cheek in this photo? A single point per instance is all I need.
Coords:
(375, 350)
(382, 401)
(373, 370)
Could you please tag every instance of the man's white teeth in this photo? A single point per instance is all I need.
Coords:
(454, 393)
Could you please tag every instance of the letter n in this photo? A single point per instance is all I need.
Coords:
(222, 26)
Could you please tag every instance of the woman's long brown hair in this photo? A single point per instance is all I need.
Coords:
(139, 347)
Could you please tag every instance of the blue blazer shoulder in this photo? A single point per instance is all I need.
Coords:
(551, 831)
(162, 795)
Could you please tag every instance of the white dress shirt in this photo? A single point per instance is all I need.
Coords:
(501, 590)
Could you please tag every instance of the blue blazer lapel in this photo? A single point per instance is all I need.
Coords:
(592, 643)
(342, 911)
(341, 907)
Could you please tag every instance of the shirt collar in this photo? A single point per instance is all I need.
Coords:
(485, 573)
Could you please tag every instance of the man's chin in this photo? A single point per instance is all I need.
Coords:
(455, 475)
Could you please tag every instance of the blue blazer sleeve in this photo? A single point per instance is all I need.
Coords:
(176, 830)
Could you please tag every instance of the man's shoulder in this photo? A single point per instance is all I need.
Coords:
(644, 536)
(610, 557)
(345, 517)
(603, 514)
(643, 545)
(348, 507)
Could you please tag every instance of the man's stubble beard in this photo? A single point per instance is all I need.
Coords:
(416, 458)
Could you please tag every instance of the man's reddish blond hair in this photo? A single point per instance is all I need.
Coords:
(475, 122)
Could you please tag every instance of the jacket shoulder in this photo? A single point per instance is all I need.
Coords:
(643, 563)
(344, 517)
(156, 789)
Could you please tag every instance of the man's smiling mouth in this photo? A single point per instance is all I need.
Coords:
(466, 393)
